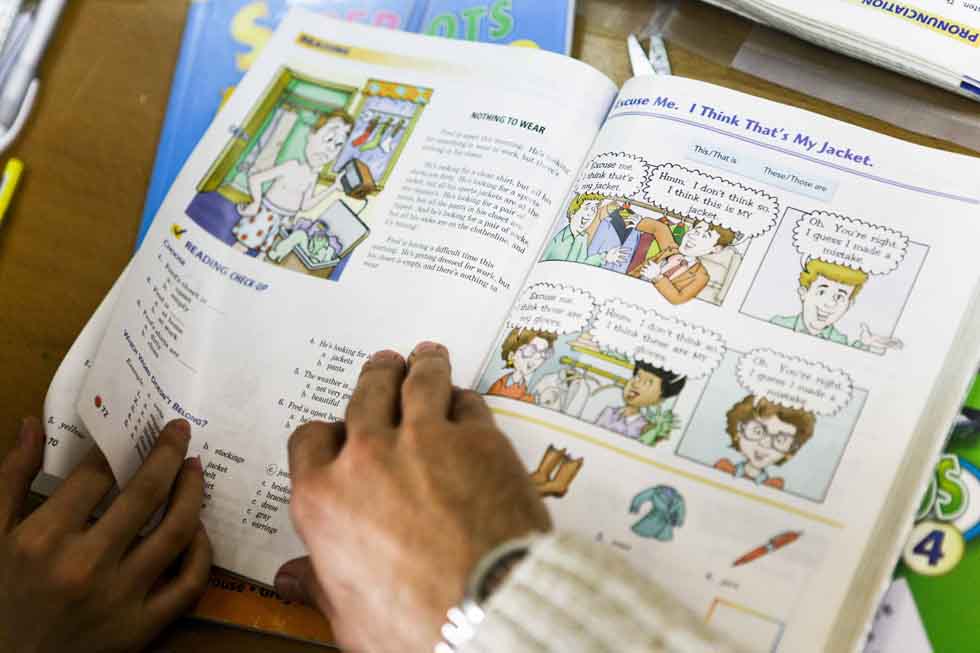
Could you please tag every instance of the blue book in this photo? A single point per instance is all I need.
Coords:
(533, 23)
(223, 37)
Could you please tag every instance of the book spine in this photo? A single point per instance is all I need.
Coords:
(570, 27)
(414, 19)
(197, 20)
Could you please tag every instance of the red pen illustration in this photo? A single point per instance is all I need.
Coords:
(774, 544)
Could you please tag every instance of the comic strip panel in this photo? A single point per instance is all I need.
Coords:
(293, 186)
(605, 362)
(837, 278)
(774, 421)
(679, 230)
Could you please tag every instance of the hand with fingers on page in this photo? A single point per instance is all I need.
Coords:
(398, 504)
(71, 585)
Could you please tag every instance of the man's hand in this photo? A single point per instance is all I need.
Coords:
(69, 586)
(651, 271)
(397, 504)
(616, 255)
(877, 344)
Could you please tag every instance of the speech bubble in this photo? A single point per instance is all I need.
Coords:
(617, 326)
(850, 242)
(614, 174)
(679, 346)
(668, 342)
(698, 196)
(551, 307)
(794, 382)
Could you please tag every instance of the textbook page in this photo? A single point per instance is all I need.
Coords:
(361, 190)
(941, 33)
(719, 363)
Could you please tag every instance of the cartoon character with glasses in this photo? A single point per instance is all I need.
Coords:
(523, 351)
(765, 434)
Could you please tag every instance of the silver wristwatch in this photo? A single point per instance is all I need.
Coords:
(484, 579)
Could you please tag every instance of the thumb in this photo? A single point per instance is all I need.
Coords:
(296, 581)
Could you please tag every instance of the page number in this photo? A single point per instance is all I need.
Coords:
(933, 548)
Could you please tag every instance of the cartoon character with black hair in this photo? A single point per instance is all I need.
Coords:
(641, 416)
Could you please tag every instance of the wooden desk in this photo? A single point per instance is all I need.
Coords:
(89, 149)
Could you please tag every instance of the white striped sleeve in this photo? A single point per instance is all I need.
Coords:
(575, 596)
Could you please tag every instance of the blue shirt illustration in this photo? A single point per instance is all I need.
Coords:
(667, 510)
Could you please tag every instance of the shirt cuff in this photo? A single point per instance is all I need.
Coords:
(575, 596)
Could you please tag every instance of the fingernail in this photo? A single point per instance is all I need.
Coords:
(427, 346)
(288, 587)
(183, 427)
(28, 430)
(385, 355)
(194, 463)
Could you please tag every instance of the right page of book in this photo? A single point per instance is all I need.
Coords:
(726, 351)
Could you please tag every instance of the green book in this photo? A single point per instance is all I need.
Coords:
(934, 602)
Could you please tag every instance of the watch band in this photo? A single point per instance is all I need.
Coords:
(486, 577)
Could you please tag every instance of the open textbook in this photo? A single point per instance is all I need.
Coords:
(726, 336)
(937, 41)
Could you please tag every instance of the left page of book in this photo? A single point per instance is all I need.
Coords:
(361, 190)
(228, 600)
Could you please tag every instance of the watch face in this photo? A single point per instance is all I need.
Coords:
(498, 572)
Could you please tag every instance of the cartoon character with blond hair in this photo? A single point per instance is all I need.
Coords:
(766, 434)
(572, 242)
(827, 291)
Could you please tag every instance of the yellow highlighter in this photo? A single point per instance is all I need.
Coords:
(11, 178)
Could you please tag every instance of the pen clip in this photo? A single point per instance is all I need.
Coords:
(8, 136)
